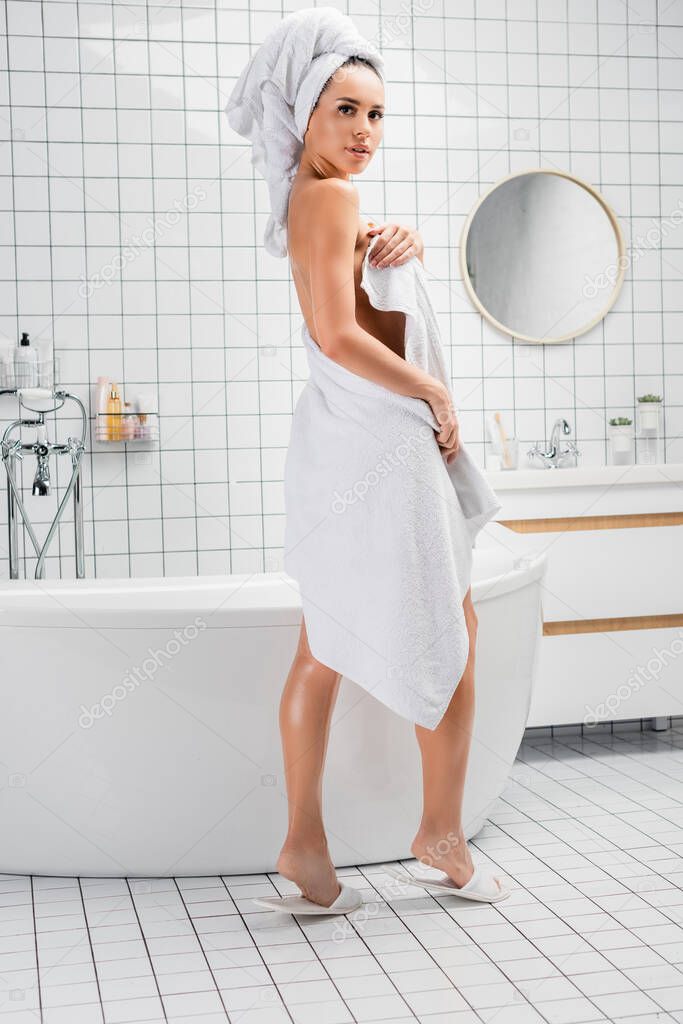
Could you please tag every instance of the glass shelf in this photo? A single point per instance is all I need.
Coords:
(127, 426)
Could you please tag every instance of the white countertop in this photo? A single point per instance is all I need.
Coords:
(584, 476)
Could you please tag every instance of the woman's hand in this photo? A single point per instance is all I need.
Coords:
(396, 245)
(439, 399)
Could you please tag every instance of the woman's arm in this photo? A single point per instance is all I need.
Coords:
(333, 219)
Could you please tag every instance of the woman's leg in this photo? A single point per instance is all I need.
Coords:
(306, 707)
(440, 840)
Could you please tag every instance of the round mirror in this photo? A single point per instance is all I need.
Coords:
(542, 256)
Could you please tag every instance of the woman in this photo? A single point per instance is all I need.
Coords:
(327, 242)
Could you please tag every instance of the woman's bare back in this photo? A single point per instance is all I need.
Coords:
(385, 325)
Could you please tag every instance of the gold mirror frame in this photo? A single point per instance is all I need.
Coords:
(621, 262)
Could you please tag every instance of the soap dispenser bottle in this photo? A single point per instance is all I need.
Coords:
(114, 415)
(25, 364)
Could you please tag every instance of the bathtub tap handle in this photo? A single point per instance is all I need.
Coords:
(75, 447)
(12, 448)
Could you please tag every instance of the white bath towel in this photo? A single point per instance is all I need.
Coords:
(272, 100)
(379, 530)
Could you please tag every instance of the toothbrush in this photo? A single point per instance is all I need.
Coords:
(503, 440)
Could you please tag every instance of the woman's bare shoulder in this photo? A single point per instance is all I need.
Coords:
(326, 197)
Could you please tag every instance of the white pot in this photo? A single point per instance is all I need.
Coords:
(621, 438)
(649, 417)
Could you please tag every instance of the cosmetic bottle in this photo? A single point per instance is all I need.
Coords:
(45, 363)
(128, 422)
(114, 415)
(102, 389)
(25, 364)
(145, 404)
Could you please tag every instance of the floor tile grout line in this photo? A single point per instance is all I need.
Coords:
(90, 945)
(577, 819)
(577, 934)
(581, 751)
(323, 965)
(35, 946)
(616, 814)
(626, 928)
(306, 939)
(636, 809)
(471, 942)
(203, 950)
(149, 955)
(600, 910)
(630, 757)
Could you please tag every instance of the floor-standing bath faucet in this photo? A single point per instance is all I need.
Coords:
(12, 449)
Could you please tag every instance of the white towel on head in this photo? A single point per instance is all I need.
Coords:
(273, 97)
(378, 529)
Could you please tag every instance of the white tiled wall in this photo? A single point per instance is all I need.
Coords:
(118, 168)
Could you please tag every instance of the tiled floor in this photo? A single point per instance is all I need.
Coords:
(589, 833)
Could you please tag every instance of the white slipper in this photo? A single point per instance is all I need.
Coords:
(348, 899)
(481, 886)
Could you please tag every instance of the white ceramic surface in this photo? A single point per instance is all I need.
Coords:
(529, 478)
(181, 773)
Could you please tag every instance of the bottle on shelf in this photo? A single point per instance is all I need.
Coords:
(128, 422)
(46, 363)
(102, 389)
(146, 404)
(114, 415)
(25, 363)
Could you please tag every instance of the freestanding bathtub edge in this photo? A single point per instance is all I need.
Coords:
(140, 732)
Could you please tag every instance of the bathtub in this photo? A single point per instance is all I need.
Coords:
(139, 729)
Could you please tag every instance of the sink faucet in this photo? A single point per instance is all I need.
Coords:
(554, 457)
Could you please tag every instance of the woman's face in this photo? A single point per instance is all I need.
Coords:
(349, 113)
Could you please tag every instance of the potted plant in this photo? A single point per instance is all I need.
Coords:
(649, 407)
(621, 439)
